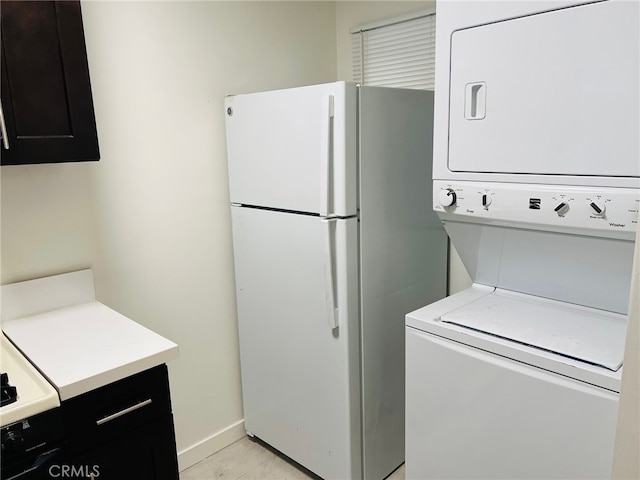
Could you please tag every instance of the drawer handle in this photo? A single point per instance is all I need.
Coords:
(130, 409)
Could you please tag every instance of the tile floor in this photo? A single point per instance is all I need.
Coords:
(249, 459)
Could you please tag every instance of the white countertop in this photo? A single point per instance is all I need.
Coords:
(86, 346)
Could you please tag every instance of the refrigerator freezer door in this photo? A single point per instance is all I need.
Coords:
(294, 149)
(546, 94)
(300, 375)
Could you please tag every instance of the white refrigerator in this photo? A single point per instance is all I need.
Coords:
(334, 240)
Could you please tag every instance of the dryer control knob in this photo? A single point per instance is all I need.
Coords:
(486, 200)
(561, 208)
(598, 208)
(447, 197)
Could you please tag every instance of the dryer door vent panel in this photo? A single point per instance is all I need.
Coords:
(548, 93)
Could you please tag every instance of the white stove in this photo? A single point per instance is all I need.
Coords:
(33, 393)
(30, 420)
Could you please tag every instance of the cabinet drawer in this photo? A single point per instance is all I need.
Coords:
(115, 409)
(147, 453)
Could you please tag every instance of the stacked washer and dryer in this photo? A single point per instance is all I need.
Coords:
(537, 181)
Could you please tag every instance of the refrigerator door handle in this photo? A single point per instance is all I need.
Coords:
(329, 285)
(326, 156)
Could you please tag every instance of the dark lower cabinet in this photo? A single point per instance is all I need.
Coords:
(123, 430)
(47, 105)
(146, 453)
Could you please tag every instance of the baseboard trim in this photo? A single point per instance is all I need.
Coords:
(201, 450)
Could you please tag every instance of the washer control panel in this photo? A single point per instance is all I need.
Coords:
(608, 209)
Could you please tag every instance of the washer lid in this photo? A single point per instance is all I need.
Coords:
(586, 334)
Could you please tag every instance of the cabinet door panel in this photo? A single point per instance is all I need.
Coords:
(46, 90)
(110, 411)
(147, 453)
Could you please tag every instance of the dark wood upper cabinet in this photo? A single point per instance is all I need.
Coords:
(46, 91)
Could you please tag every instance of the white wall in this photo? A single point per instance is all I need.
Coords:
(152, 217)
(48, 220)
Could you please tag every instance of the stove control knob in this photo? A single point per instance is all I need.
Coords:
(561, 208)
(598, 208)
(11, 442)
(447, 197)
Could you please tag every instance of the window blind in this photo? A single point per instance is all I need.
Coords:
(397, 53)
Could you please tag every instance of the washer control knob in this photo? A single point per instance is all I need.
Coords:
(597, 208)
(447, 197)
(486, 200)
(561, 208)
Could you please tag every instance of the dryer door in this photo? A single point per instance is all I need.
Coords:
(552, 93)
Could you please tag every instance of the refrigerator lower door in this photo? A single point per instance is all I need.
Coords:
(296, 277)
